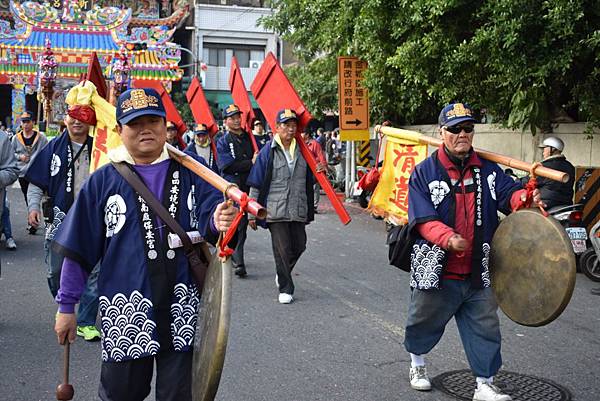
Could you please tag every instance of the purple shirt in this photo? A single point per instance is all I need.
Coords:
(73, 277)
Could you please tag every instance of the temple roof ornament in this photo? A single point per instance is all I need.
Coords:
(76, 28)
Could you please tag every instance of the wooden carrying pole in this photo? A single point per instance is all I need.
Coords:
(231, 191)
(413, 136)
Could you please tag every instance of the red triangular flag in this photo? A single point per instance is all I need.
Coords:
(239, 93)
(96, 76)
(273, 91)
(201, 110)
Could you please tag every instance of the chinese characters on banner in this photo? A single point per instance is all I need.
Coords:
(353, 99)
(390, 198)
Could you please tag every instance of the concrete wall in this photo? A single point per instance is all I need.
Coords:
(580, 149)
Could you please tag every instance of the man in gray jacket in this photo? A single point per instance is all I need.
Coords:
(281, 179)
(8, 168)
(27, 143)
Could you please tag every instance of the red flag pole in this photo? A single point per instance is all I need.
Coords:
(201, 111)
(273, 91)
(239, 93)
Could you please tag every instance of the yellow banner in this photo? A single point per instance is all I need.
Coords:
(390, 198)
(106, 136)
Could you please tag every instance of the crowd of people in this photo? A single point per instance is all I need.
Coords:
(114, 259)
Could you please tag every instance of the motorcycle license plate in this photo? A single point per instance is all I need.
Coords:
(579, 245)
(578, 233)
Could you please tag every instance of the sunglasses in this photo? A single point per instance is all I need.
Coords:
(456, 130)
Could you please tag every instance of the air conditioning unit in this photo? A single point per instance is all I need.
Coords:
(255, 64)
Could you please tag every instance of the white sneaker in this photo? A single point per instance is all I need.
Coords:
(11, 244)
(489, 392)
(285, 298)
(419, 379)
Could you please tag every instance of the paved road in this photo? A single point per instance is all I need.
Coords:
(340, 341)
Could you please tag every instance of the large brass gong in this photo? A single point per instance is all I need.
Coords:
(212, 330)
(532, 267)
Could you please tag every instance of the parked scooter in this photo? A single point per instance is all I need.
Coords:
(365, 196)
(571, 218)
(589, 261)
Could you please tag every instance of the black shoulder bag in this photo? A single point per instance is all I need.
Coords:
(400, 242)
(197, 254)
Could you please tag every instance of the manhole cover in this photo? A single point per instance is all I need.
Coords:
(461, 384)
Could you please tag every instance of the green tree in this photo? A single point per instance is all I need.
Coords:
(528, 62)
(182, 106)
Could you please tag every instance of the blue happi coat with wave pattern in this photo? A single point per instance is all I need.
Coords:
(147, 296)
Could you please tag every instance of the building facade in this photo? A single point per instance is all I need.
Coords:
(224, 29)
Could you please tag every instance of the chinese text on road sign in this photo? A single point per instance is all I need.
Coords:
(352, 95)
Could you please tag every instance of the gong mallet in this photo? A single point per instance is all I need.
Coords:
(64, 391)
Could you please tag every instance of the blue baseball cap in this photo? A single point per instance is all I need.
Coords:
(200, 129)
(135, 103)
(284, 115)
(26, 116)
(231, 110)
(455, 113)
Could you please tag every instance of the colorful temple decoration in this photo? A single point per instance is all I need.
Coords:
(18, 103)
(77, 28)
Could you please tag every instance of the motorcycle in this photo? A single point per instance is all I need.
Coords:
(365, 196)
(571, 218)
(589, 259)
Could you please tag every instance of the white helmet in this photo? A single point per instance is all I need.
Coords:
(553, 142)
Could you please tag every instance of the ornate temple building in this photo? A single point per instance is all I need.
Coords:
(141, 30)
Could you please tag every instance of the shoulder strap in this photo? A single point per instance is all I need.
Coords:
(83, 146)
(126, 172)
(74, 159)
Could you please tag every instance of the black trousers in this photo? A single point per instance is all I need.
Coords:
(289, 242)
(130, 380)
(24, 184)
(237, 258)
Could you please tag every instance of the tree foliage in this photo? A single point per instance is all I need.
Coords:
(183, 107)
(525, 61)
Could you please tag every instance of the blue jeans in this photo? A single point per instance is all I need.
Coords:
(476, 318)
(88, 303)
(6, 228)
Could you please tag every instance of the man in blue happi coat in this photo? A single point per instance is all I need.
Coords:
(201, 146)
(236, 156)
(453, 202)
(148, 298)
(59, 170)
(260, 136)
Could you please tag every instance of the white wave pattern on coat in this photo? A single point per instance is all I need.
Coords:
(426, 266)
(126, 328)
(184, 312)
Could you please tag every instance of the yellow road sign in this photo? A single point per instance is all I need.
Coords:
(354, 135)
(353, 96)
